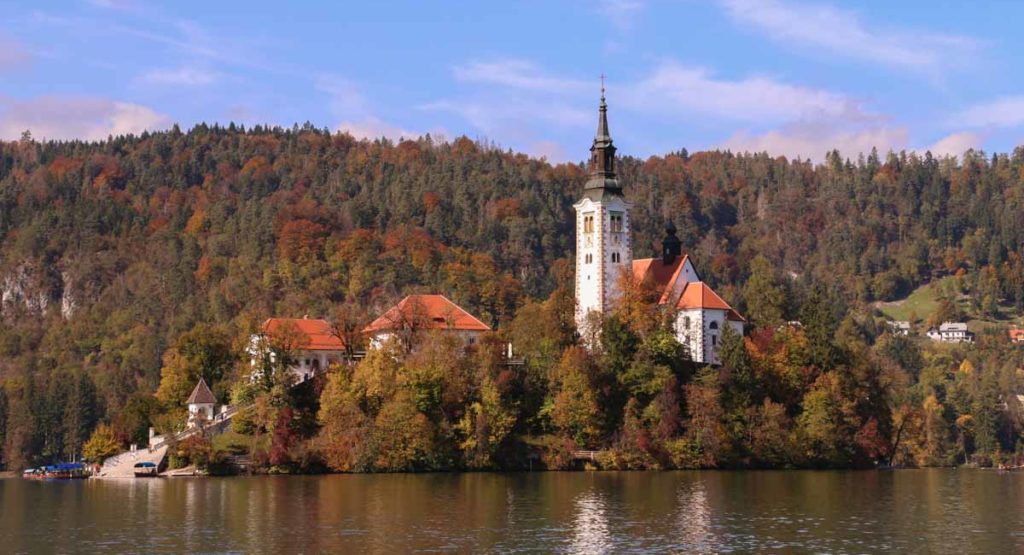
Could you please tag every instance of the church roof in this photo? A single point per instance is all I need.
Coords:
(319, 334)
(697, 295)
(661, 276)
(202, 395)
(427, 312)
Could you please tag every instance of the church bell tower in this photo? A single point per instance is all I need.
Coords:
(603, 247)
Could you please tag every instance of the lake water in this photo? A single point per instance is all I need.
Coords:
(906, 511)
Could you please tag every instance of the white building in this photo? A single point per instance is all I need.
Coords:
(418, 313)
(311, 343)
(951, 332)
(604, 257)
(201, 405)
(899, 327)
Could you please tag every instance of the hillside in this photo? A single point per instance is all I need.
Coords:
(111, 251)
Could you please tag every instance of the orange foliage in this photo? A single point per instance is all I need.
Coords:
(62, 166)
(430, 201)
(507, 208)
(301, 240)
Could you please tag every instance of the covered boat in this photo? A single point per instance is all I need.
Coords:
(145, 470)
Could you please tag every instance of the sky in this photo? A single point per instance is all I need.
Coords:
(791, 77)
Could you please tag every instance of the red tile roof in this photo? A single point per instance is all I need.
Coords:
(662, 276)
(697, 295)
(318, 333)
(1016, 334)
(427, 312)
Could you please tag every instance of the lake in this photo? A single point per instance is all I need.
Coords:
(905, 511)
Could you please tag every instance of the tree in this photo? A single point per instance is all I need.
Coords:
(101, 445)
(575, 411)
(763, 296)
(203, 352)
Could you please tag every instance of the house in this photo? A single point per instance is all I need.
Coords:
(417, 313)
(951, 332)
(312, 344)
(1017, 335)
(604, 254)
(201, 405)
(899, 327)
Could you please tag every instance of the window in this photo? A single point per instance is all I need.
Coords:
(616, 258)
(616, 222)
(588, 258)
(588, 223)
(686, 322)
(714, 325)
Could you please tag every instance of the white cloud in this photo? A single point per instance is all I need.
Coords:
(70, 117)
(810, 141)
(620, 13)
(548, 149)
(676, 88)
(842, 32)
(185, 76)
(494, 114)
(372, 128)
(346, 99)
(519, 74)
(956, 144)
(1002, 112)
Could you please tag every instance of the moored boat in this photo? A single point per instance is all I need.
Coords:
(60, 471)
(145, 470)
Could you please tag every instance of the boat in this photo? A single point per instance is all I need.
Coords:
(60, 471)
(145, 470)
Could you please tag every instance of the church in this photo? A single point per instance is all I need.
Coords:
(604, 253)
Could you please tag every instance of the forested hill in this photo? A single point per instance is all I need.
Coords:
(112, 250)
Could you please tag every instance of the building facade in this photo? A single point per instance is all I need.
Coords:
(312, 344)
(951, 332)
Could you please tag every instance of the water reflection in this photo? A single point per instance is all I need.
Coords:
(590, 524)
(937, 511)
(693, 518)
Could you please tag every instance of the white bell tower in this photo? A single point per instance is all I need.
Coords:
(604, 250)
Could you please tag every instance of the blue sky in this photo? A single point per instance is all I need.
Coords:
(793, 77)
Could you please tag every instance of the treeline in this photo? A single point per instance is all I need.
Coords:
(113, 252)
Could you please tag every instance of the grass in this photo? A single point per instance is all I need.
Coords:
(924, 300)
(921, 302)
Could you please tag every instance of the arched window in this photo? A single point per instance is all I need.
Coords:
(713, 325)
(686, 322)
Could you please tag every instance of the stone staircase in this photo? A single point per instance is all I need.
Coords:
(123, 465)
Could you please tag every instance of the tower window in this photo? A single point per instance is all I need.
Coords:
(616, 258)
(616, 222)
(713, 325)
(588, 223)
(588, 258)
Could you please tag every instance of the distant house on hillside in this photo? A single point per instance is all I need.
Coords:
(899, 327)
(417, 313)
(1017, 335)
(312, 343)
(951, 332)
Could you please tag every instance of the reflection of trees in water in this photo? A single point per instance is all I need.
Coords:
(693, 518)
(590, 524)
